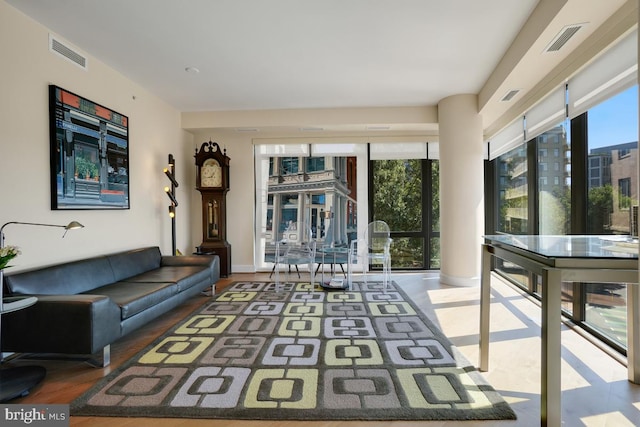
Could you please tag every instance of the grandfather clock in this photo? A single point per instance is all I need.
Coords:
(212, 181)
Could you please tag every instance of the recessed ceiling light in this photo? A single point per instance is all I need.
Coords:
(193, 70)
(311, 129)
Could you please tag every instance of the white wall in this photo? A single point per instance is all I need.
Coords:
(155, 131)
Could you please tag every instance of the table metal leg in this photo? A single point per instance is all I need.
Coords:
(485, 304)
(349, 272)
(551, 356)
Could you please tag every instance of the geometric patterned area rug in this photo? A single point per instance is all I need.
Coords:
(297, 352)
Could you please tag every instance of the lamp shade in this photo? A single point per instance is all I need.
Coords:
(73, 225)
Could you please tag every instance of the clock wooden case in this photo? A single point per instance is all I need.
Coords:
(212, 181)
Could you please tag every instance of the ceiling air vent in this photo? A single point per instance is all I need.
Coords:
(65, 50)
(563, 37)
(509, 96)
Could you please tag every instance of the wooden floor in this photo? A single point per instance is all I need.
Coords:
(595, 389)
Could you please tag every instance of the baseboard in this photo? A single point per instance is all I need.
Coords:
(243, 269)
(459, 281)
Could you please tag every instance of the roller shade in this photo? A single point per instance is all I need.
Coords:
(337, 150)
(433, 151)
(546, 114)
(612, 72)
(283, 150)
(507, 139)
(397, 150)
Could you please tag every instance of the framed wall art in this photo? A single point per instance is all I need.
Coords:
(89, 153)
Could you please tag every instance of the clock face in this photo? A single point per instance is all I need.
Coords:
(211, 174)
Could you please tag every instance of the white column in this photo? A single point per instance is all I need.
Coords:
(461, 190)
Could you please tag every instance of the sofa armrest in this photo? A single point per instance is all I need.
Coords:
(211, 261)
(69, 324)
(203, 260)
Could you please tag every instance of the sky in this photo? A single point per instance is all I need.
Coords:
(614, 121)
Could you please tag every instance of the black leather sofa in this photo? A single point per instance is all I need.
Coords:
(83, 306)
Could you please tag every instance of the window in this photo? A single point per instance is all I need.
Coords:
(596, 191)
(288, 221)
(513, 201)
(288, 165)
(315, 164)
(611, 125)
(405, 195)
(612, 176)
(624, 193)
(554, 201)
(291, 202)
(514, 194)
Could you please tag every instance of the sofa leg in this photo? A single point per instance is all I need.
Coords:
(106, 355)
(209, 293)
(101, 360)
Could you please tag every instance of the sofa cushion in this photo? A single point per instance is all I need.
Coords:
(136, 297)
(69, 278)
(184, 276)
(131, 263)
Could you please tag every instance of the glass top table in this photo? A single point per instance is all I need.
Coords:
(571, 246)
(335, 255)
(560, 259)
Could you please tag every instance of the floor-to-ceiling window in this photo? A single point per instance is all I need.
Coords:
(323, 188)
(552, 209)
(554, 181)
(404, 186)
(612, 188)
(307, 192)
(405, 196)
(513, 201)
(582, 178)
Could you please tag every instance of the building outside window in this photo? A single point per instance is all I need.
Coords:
(513, 192)
(554, 200)
(297, 201)
(624, 193)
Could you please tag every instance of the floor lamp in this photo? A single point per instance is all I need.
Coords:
(170, 172)
(17, 381)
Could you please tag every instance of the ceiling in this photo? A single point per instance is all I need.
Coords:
(296, 54)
